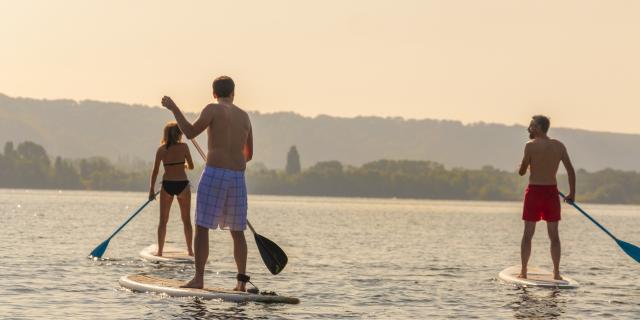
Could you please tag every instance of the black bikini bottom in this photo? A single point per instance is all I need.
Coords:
(174, 188)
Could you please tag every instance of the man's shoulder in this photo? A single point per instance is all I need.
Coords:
(211, 106)
(559, 145)
(243, 113)
(241, 110)
(556, 142)
(218, 106)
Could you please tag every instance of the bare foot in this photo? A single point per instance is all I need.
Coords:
(158, 254)
(523, 274)
(196, 282)
(191, 253)
(240, 286)
(556, 276)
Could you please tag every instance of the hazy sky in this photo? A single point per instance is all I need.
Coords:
(492, 61)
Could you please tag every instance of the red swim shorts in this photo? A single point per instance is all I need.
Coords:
(541, 202)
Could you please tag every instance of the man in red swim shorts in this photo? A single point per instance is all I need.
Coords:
(541, 200)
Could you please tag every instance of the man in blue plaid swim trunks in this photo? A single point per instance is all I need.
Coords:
(222, 193)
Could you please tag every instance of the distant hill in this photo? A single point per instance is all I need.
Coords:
(120, 131)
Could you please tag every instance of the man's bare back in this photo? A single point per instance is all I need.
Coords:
(543, 157)
(228, 136)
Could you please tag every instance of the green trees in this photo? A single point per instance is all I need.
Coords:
(431, 180)
(65, 175)
(391, 178)
(293, 161)
(24, 166)
(28, 166)
(8, 163)
(33, 165)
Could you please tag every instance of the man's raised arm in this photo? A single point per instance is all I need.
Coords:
(190, 130)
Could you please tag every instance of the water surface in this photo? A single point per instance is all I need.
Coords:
(348, 258)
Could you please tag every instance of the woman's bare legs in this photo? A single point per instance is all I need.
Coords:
(184, 199)
(165, 206)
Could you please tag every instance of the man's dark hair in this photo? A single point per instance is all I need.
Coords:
(542, 122)
(223, 86)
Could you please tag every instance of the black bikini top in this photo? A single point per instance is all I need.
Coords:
(174, 163)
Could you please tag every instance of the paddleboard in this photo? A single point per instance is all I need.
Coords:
(145, 283)
(169, 254)
(536, 277)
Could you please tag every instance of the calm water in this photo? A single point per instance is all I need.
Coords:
(348, 258)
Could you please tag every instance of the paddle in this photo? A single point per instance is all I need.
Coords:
(628, 248)
(101, 248)
(272, 255)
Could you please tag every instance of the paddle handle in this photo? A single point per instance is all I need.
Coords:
(131, 217)
(195, 144)
(251, 227)
(573, 203)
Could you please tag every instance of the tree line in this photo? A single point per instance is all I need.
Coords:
(29, 166)
(430, 180)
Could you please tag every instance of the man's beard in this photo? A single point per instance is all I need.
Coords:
(531, 136)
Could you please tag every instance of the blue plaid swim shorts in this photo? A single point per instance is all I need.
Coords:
(222, 199)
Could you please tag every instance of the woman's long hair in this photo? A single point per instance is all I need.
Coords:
(172, 134)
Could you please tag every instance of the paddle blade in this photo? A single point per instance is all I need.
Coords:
(631, 250)
(99, 250)
(274, 258)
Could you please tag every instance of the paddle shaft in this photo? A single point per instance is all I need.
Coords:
(204, 157)
(131, 217)
(573, 203)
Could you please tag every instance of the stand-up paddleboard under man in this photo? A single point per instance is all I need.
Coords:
(542, 156)
(144, 283)
(222, 193)
(536, 277)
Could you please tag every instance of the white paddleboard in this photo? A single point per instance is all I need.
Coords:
(169, 254)
(536, 277)
(144, 283)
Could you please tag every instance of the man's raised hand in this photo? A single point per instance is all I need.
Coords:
(168, 103)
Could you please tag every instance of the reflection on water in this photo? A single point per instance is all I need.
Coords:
(539, 303)
(348, 258)
(197, 309)
(201, 309)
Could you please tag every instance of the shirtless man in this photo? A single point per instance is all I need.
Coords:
(541, 201)
(222, 193)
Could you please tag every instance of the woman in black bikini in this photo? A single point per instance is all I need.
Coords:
(176, 158)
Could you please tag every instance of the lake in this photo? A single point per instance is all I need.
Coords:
(348, 258)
